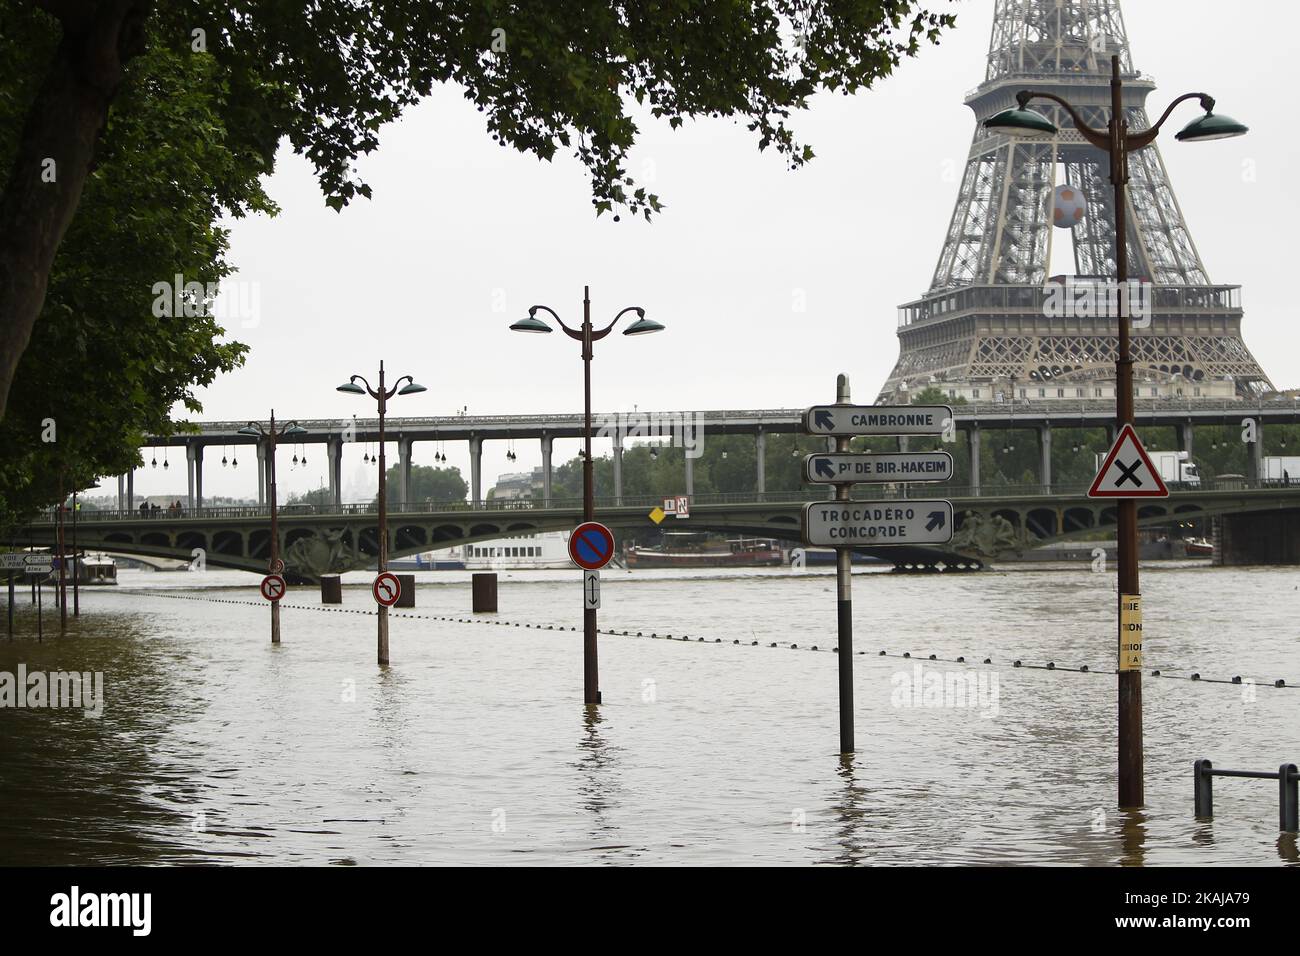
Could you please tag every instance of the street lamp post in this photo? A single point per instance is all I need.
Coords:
(382, 395)
(587, 335)
(1118, 142)
(271, 433)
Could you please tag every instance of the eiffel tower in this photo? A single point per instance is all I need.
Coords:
(983, 331)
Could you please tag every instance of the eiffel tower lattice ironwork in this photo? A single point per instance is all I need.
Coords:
(985, 326)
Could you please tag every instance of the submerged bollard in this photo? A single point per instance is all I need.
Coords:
(331, 589)
(484, 585)
(407, 597)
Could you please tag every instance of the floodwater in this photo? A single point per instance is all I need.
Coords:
(473, 748)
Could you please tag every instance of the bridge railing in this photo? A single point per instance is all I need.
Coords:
(812, 493)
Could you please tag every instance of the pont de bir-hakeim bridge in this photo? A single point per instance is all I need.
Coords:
(1254, 519)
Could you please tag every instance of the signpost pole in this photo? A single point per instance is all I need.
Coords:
(1131, 789)
(844, 590)
(275, 526)
(383, 518)
(590, 666)
(76, 561)
(11, 605)
(61, 590)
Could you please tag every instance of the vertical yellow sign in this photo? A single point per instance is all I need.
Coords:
(1130, 632)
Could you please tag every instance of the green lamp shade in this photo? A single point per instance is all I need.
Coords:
(1024, 123)
(352, 388)
(412, 389)
(295, 429)
(530, 324)
(1211, 126)
(642, 326)
(249, 430)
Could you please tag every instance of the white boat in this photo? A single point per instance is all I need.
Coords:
(547, 550)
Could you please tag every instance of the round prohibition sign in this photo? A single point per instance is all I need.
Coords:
(591, 546)
(273, 587)
(386, 589)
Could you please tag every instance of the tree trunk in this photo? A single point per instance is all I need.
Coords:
(55, 155)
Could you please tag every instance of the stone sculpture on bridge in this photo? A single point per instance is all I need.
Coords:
(323, 553)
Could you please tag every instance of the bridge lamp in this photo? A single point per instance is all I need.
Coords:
(643, 326)
(1118, 142)
(352, 388)
(588, 335)
(531, 324)
(1023, 122)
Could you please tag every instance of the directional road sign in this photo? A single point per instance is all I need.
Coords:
(846, 469)
(847, 524)
(1127, 472)
(876, 419)
(386, 589)
(12, 561)
(38, 563)
(591, 546)
(273, 587)
(591, 590)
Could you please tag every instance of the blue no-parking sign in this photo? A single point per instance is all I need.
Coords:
(591, 546)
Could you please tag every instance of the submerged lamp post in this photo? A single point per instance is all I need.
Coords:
(382, 395)
(587, 335)
(270, 434)
(1118, 141)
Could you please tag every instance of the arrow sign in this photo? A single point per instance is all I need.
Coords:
(272, 587)
(1127, 471)
(847, 469)
(845, 524)
(386, 589)
(876, 419)
(591, 590)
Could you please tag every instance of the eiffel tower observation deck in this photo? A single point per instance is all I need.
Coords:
(994, 323)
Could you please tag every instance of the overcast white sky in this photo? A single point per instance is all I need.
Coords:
(463, 235)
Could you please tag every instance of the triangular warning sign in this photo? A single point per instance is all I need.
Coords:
(1127, 471)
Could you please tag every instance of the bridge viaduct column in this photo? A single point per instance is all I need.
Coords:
(194, 464)
(690, 472)
(973, 440)
(1045, 455)
(1185, 439)
(618, 466)
(546, 470)
(121, 479)
(760, 461)
(476, 471)
(1255, 452)
(334, 456)
(404, 469)
(130, 490)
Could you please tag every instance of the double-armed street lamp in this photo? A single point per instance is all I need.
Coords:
(1118, 141)
(382, 394)
(587, 335)
(270, 433)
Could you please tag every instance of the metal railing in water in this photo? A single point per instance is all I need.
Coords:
(1288, 778)
(866, 493)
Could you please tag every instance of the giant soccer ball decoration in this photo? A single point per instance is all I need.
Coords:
(1068, 207)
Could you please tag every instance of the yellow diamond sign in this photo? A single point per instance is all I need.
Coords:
(657, 515)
